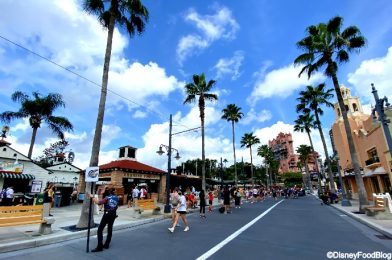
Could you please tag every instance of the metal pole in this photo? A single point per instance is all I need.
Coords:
(345, 201)
(167, 208)
(89, 218)
(381, 117)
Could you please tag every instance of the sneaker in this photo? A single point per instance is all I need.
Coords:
(106, 246)
(186, 229)
(171, 229)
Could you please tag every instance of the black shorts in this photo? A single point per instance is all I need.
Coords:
(210, 202)
(181, 212)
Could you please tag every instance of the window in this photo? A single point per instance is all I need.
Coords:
(372, 153)
(122, 152)
(131, 153)
(338, 110)
(347, 108)
(355, 107)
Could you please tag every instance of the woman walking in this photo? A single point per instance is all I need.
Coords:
(181, 212)
(202, 198)
(210, 199)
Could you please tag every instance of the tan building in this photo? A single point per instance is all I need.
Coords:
(370, 144)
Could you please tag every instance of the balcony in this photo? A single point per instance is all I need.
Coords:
(373, 162)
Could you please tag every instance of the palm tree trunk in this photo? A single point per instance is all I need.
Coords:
(362, 194)
(32, 142)
(251, 165)
(310, 140)
(307, 174)
(235, 161)
(331, 181)
(94, 160)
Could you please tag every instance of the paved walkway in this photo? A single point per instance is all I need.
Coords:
(21, 237)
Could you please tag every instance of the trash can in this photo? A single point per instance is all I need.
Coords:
(57, 200)
(39, 200)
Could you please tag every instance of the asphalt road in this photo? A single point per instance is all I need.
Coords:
(289, 229)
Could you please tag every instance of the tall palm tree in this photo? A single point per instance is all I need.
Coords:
(131, 15)
(247, 141)
(266, 152)
(233, 114)
(326, 45)
(199, 87)
(37, 110)
(304, 123)
(311, 100)
(304, 152)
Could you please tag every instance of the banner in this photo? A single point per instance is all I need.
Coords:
(92, 174)
(11, 167)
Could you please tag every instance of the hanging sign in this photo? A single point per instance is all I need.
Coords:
(92, 174)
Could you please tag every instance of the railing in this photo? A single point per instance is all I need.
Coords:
(371, 161)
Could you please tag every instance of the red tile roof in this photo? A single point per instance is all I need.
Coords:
(130, 165)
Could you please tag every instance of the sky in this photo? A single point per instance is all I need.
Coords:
(248, 49)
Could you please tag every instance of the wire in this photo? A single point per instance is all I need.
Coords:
(83, 77)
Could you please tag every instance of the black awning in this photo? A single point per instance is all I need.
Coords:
(17, 176)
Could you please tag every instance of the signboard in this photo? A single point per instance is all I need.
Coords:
(36, 186)
(92, 174)
(11, 167)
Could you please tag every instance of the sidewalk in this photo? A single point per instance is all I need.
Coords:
(22, 237)
(382, 226)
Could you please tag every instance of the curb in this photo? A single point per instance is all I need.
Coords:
(366, 222)
(52, 239)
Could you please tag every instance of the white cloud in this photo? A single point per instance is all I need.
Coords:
(252, 116)
(280, 82)
(230, 66)
(139, 114)
(377, 71)
(220, 25)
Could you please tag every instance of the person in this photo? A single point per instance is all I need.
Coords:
(174, 199)
(181, 212)
(135, 195)
(105, 193)
(210, 199)
(48, 196)
(237, 199)
(9, 196)
(226, 200)
(110, 204)
(202, 204)
(130, 198)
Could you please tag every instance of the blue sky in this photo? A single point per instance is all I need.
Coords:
(247, 47)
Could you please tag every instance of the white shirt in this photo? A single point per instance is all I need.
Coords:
(135, 193)
(182, 205)
(10, 193)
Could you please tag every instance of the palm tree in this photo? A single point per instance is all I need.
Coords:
(266, 152)
(326, 45)
(304, 152)
(38, 110)
(131, 15)
(233, 114)
(310, 100)
(199, 87)
(304, 123)
(247, 141)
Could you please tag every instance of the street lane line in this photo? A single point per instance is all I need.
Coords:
(235, 234)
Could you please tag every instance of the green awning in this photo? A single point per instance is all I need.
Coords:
(17, 176)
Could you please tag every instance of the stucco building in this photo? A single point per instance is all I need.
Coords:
(369, 140)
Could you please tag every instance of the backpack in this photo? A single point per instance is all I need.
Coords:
(175, 200)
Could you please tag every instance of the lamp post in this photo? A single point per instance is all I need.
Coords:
(379, 108)
(345, 201)
(169, 149)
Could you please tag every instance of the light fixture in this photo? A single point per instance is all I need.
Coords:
(177, 157)
(160, 151)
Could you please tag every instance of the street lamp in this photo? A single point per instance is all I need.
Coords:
(345, 201)
(379, 108)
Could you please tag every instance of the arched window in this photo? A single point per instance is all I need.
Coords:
(338, 110)
(355, 107)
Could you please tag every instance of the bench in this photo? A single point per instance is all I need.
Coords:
(26, 215)
(146, 204)
(379, 210)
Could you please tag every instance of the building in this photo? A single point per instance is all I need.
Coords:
(126, 172)
(283, 150)
(369, 140)
(21, 172)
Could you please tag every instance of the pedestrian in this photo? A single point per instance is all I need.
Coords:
(174, 199)
(48, 196)
(181, 212)
(202, 204)
(130, 197)
(210, 199)
(9, 196)
(135, 195)
(226, 200)
(110, 203)
(237, 199)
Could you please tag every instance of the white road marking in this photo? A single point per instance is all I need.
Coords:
(343, 215)
(235, 234)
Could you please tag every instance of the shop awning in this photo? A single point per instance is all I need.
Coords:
(377, 171)
(16, 176)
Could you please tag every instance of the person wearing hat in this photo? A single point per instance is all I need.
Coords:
(110, 204)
